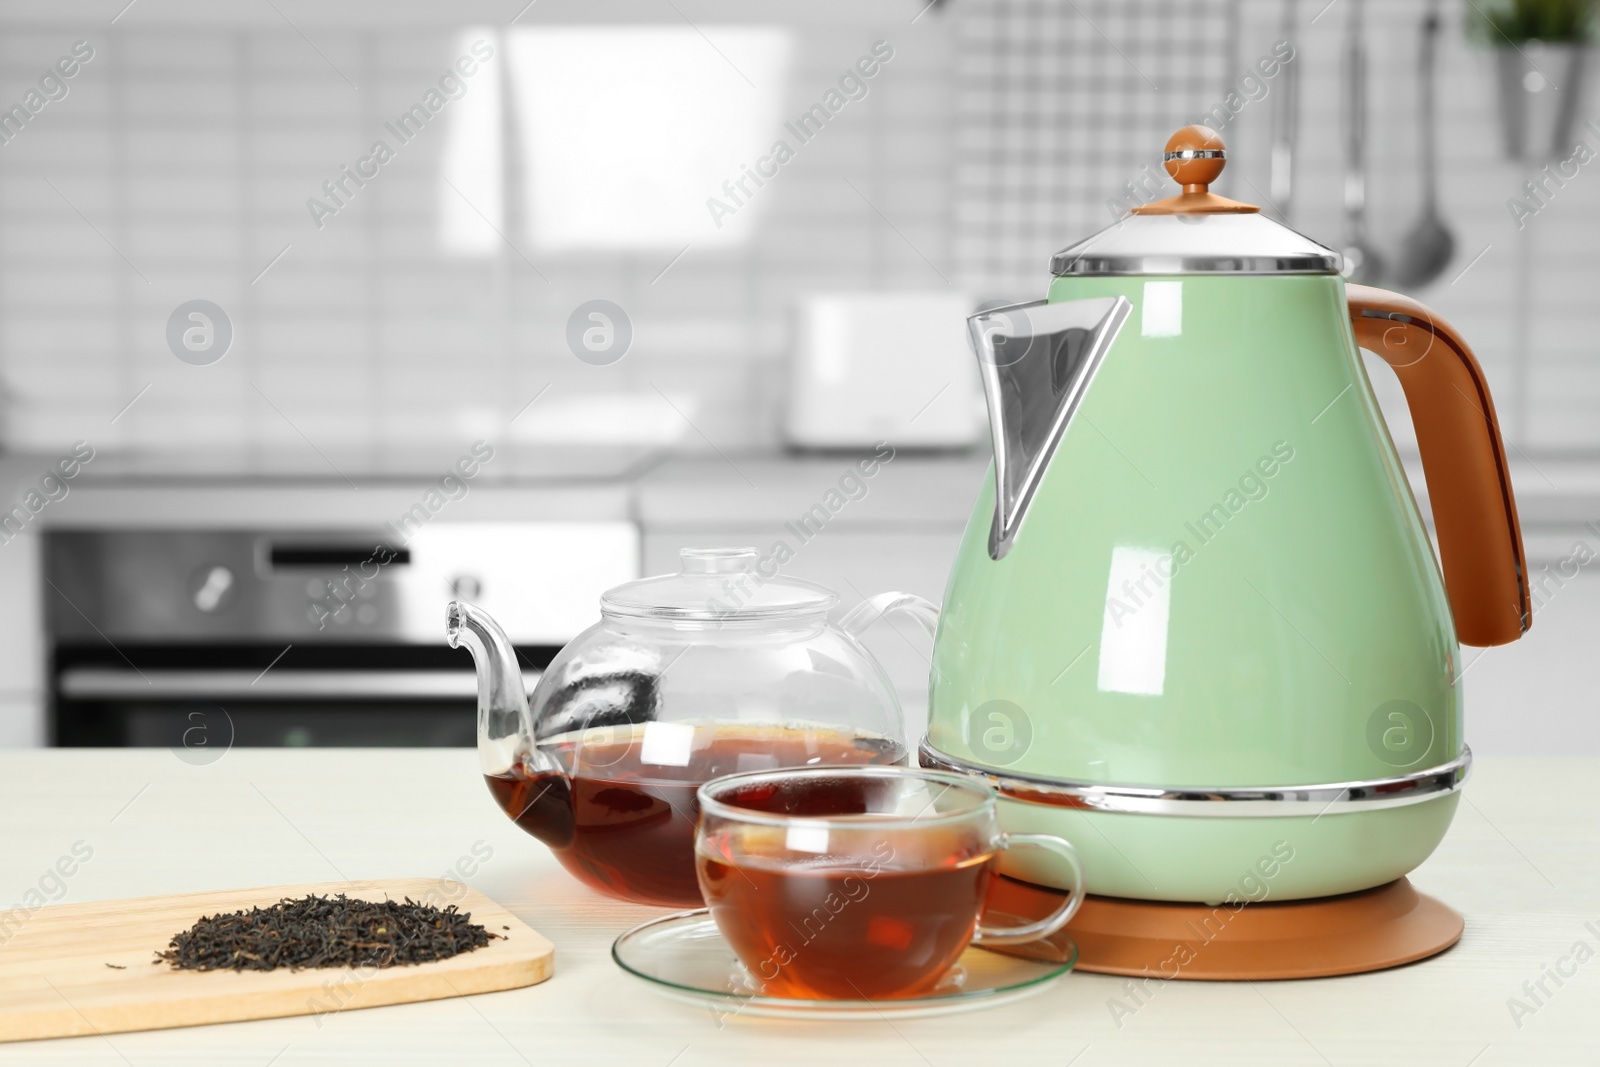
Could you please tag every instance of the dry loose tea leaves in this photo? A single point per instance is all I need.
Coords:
(316, 931)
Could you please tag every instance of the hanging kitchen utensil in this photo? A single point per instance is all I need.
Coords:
(1361, 261)
(1428, 247)
(1285, 124)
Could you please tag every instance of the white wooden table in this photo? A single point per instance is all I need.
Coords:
(1522, 863)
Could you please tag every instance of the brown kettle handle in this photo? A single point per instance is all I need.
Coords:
(1463, 458)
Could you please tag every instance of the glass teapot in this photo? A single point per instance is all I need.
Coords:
(686, 677)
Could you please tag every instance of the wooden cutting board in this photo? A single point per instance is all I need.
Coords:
(55, 982)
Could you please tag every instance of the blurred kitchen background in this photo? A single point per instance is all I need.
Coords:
(751, 349)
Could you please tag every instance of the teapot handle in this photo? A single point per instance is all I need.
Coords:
(1463, 459)
(870, 610)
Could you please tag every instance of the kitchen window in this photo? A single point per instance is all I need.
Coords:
(610, 137)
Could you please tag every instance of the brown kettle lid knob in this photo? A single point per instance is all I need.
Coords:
(1194, 157)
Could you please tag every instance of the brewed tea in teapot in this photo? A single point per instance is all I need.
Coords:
(678, 683)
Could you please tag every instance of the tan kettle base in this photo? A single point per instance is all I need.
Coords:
(1371, 930)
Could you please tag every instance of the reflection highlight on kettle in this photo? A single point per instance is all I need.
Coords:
(1133, 635)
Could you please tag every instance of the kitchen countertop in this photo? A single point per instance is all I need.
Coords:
(1522, 862)
(273, 490)
(1556, 495)
(323, 505)
(764, 488)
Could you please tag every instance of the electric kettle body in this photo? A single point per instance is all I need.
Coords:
(1195, 624)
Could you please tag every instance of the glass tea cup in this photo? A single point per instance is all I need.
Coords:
(858, 883)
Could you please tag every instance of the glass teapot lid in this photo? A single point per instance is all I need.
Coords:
(714, 585)
(1197, 231)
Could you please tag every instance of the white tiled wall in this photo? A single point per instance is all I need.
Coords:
(181, 161)
(179, 164)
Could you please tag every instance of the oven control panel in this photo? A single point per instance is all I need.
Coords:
(542, 581)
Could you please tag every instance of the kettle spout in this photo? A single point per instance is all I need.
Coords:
(1037, 360)
(504, 736)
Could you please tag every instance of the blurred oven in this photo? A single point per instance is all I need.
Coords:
(200, 639)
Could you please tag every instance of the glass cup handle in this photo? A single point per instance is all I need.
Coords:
(922, 611)
(1017, 935)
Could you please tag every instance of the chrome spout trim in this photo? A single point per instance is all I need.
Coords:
(1037, 361)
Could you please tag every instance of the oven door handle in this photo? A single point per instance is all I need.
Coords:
(113, 683)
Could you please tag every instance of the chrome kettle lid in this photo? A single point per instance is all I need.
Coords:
(1197, 231)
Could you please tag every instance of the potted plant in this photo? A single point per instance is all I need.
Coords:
(1540, 55)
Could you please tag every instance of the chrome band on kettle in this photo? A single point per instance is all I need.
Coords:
(1332, 798)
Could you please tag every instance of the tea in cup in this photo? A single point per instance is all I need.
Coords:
(858, 883)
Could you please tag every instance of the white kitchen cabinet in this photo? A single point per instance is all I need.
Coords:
(21, 644)
(21, 721)
(1541, 695)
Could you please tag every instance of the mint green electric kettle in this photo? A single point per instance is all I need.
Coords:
(1195, 617)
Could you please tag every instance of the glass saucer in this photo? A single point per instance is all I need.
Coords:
(684, 957)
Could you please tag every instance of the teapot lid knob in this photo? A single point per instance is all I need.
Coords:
(717, 560)
(1194, 157)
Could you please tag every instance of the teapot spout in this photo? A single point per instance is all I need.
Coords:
(1037, 360)
(504, 734)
